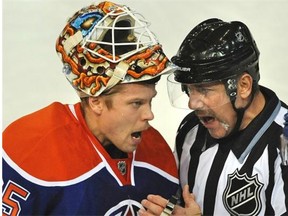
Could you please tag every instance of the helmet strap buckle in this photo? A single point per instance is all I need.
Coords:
(119, 74)
(72, 41)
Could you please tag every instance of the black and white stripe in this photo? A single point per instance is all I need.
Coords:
(240, 175)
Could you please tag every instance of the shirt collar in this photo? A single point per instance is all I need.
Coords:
(239, 142)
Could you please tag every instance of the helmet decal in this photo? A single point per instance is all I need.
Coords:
(106, 44)
(239, 36)
(86, 22)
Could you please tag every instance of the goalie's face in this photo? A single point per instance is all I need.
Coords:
(125, 114)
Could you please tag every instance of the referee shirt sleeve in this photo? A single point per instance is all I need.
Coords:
(279, 199)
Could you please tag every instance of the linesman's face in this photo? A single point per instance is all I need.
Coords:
(213, 107)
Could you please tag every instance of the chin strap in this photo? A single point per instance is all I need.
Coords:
(240, 114)
(231, 89)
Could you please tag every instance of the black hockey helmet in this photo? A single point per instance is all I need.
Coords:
(216, 50)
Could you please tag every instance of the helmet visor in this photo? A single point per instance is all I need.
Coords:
(197, 95)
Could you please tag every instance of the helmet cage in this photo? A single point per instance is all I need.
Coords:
(139, 37)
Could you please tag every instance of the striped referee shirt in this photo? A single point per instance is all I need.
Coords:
(239, 175)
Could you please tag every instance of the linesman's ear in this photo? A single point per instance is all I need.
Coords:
(245, 83)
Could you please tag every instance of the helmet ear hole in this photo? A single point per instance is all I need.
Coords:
(101, 70)
(122, 35)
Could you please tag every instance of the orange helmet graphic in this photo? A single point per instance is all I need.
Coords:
(106, 44)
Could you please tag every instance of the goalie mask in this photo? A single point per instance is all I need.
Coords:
(106, 44)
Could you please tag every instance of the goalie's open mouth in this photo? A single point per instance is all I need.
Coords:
(136, 135)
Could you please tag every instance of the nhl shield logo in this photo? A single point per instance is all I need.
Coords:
(242, 194)
(122, 167)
